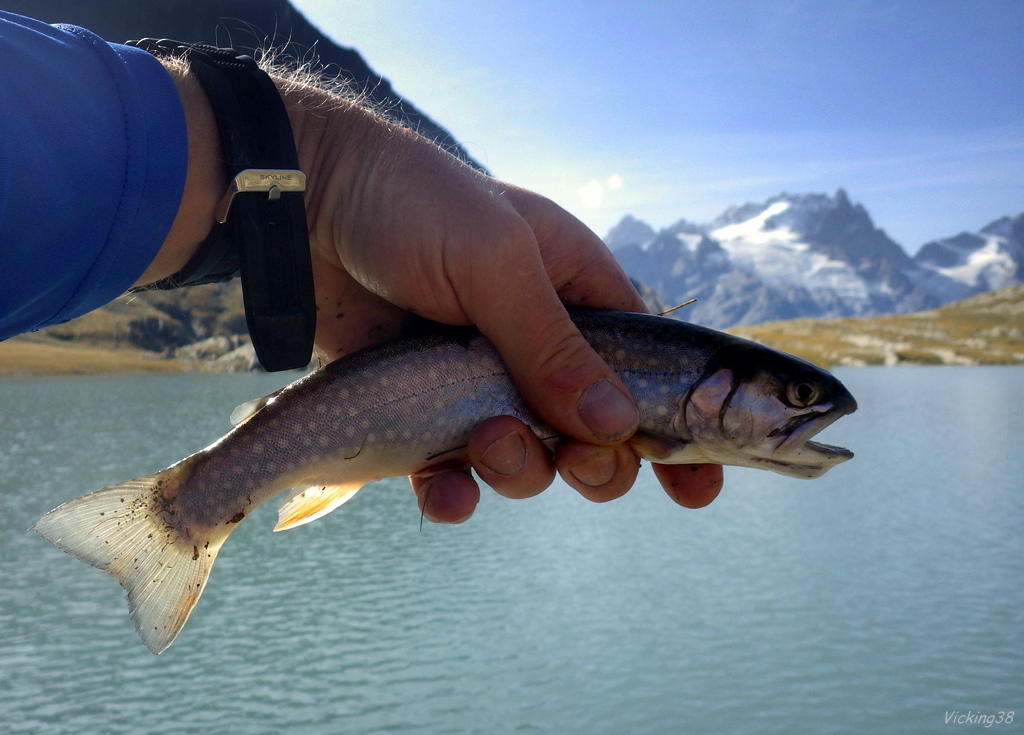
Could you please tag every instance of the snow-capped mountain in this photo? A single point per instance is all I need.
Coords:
(810, 255)
(990, 259)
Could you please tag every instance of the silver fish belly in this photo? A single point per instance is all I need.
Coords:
(398, 408)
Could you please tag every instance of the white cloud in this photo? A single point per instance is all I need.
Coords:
(593, 193)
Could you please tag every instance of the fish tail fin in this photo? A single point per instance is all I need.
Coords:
(122, 529)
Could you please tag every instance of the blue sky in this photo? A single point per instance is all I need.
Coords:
(667, 110)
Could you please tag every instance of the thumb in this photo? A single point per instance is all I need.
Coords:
(559, 374)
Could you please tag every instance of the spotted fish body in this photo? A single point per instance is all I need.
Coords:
(401, 407)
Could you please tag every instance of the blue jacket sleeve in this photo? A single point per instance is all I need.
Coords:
(93, 155)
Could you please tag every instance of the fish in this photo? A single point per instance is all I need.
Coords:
(406, 405)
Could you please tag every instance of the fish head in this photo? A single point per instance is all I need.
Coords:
(760, 407)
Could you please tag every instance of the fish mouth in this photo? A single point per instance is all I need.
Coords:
(798, 456)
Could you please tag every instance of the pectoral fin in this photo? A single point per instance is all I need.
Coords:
(307, 503)
(663, 449)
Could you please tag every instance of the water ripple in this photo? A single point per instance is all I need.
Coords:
(887, 592)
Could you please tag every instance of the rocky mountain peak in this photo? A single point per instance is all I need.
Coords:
(988, 259)
(1010, 228)
(810, 255)
(629, 231)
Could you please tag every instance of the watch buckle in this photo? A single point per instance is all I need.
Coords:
(270, 180)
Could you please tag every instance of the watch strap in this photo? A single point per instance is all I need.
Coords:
(261, 233)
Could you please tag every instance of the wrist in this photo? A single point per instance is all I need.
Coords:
(338, 141)
(204, 182)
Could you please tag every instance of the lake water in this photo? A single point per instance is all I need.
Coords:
(887, 596)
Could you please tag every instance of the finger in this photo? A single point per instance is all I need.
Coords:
(555, 258)
(559, 373)
(514, 304)
(579, 265)
(599, 474)
(507, 455)
(446, 496)
(690, 485)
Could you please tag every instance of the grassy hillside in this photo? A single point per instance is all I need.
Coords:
(987, 329)
(143, 333)
(138, 333)
(18, 357)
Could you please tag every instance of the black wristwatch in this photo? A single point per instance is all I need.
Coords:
(261, 230)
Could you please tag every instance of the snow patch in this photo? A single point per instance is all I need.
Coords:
(780, 257)
(989, 267)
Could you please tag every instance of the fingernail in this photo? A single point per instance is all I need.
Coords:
(506, 456)
(596, 471)
(606, 411)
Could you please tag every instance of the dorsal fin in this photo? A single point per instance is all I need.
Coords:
(245, 411)
(309, 502)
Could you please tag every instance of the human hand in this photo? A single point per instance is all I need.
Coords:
(398, 226)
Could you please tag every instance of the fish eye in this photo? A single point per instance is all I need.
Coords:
(801, 393)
